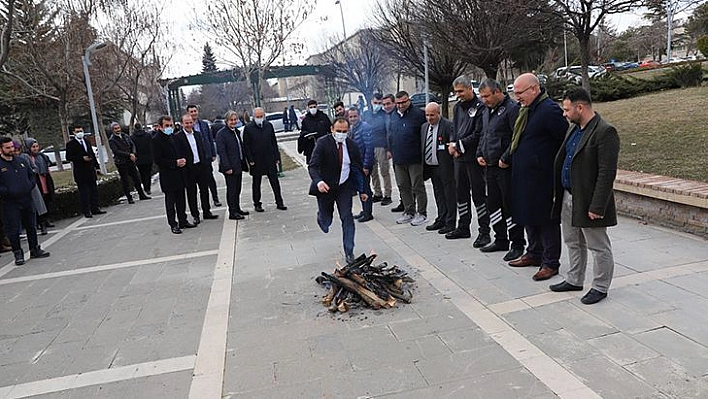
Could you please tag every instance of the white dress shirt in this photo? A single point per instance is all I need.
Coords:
(193, 143)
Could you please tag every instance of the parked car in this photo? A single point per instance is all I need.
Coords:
(276, 119)
(49, 152)
(418, 99)
(573, 73)
(649, 64)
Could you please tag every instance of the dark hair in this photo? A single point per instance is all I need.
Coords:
(402, 93)
(390, 97)
(578, 95)
(138, 126)
(338, 104)
(163, 118)
(378, 96)
(6, 139)
(190, 106)
(312, 102)
(74, 127)
(491, 84)
(340, 119)
(353, 108)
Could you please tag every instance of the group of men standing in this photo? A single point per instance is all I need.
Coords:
(520, 163)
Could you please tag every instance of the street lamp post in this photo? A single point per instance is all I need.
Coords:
(425, 62)
(344, 29)
(87, 61)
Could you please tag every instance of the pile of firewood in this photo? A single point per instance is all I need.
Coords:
(360, 283)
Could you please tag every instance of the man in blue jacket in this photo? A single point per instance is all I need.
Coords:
(205, 131)
(16, 184)
(405, 150)
(360, 132)
(381, 172)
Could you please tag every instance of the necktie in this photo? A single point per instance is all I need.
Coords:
(429, 146)
(340, 149)
(83, 145)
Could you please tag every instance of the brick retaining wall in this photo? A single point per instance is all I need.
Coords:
(676, 203)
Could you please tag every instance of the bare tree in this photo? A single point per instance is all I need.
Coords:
(7, 17)
(254, 33)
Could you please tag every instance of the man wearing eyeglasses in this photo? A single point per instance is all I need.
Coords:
(538, 133)
(337, 173)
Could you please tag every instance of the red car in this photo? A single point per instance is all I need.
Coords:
(649, 64)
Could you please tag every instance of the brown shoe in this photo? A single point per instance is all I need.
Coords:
(544, 273)
(524, 261)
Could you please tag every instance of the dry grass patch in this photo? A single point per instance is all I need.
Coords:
(664, 133)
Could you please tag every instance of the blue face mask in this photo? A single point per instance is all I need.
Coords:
(168, 131)
(376, 107)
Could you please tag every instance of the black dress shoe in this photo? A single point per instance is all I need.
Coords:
(593, 296)
(435, 226)
(131, 201)
(98, 212)
(217, 203)
(398, 208)
(210, 216)
(88, 215)
(376, 198)
(258, 208)
(457, 234)
(446, 229)
(514, 253)
(236, 216)
(19, 257)
(365, 218)
(359, 215)
(187, 225)
(176, 230)
(386, 201)
(482, 240)
(494, 247)
(145, 197)
(49, 224)
(564, 286)
(281, 207)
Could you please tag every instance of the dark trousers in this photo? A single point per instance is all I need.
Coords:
(146, 176)
(342, 196)
(195, 177)
(545, 244)
(499, 206)
(129, 170)
(88, 195)
(469, 176)
(274, 184)
(368, 206)
(18, 214)
(233, 192)
(444, 192)
(176, 207)
(211, 181)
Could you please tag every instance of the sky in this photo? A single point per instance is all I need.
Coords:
(324, 23)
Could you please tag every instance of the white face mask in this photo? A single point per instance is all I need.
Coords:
(312, 111)
(259, 121)
(79, 135)
(340, 137)
(376, 107)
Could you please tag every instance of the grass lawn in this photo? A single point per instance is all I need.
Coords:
(664, 133)
(288, 163)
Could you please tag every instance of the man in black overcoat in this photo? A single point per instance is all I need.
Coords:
(83, 167)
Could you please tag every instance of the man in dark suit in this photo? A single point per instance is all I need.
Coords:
(585, 170)
(143, 155)
(263, 157)
(124, 157)
(337, 173)
(190, 146)
(232, 163)
(202, 127)
(83, 166)
(498, 118)
(438, 166)
(170, 165)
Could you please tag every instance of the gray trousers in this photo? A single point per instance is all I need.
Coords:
(579, 240)
(381, 171)
(412, 188)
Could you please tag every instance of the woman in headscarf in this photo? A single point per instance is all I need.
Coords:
(43, 193)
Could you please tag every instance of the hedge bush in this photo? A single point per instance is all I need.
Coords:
(67, 203)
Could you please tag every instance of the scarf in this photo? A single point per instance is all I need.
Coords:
(520, 124)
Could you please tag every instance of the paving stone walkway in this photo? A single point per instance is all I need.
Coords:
(230, 309)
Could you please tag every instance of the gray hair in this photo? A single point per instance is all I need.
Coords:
(230, 114)
(114, 124)
(490, 84)
(464, 81)
(258, 109)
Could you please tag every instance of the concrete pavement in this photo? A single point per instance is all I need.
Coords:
(123, 308)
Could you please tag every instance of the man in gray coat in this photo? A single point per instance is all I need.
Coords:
(585, 170)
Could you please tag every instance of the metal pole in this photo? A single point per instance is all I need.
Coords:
(669, 22)
(97, 133)
(427, 80)
(344, 29)
(565, 48)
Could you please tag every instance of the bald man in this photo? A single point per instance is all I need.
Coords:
(538, 133)
(438, 166)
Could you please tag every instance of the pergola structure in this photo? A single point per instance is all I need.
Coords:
(236, 75)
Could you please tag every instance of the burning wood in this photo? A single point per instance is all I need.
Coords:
(362, 283)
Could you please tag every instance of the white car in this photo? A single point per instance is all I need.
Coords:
(276, 119)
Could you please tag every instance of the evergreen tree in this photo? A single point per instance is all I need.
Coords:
(208, 60)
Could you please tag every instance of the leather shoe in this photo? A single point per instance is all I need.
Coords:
(435, 226)
(242, 212)
(145, 197)
(446, 229)
(176, 230)
(544, 273)
(564, 286)
(210, 216)
(398, 208)
(494, 247)
(187, 225)
(217, 203)
(98, 212)
(524, 261)
(376, 198)
(236, 216)
(457, 233)
(131, 200)
(359, 215)
(593, 296)
(197, 220)
(38, 253)
(514, 253)
(365, 218)
(88, 215)
(386, 201)
(258, 208)
(281, 207)
(19, 257)
(482, 240)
